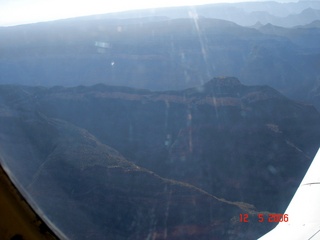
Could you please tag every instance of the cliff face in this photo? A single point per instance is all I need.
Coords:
(192, 135)
(123, 163)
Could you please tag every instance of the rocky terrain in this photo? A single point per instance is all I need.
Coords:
(109, 162)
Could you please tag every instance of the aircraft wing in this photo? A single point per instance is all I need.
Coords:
(303, 211)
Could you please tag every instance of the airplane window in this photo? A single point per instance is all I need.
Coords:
(164, 121)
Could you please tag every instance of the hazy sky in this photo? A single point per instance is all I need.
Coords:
(13, 12)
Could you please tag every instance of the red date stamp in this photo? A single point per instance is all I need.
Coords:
(272, 217)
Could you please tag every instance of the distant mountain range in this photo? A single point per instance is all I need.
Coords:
(108, 162)
(246, 13)
(160, 53)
